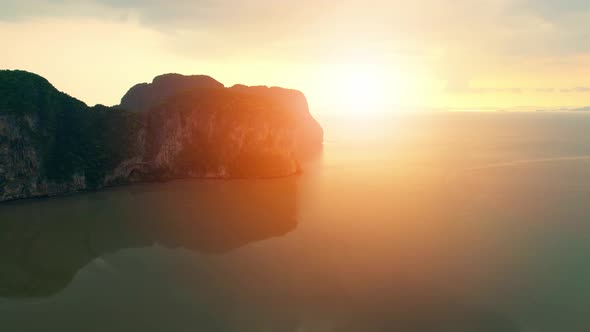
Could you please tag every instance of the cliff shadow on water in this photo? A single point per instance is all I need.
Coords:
(45, 242)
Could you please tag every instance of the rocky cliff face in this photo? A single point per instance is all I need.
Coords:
(22, 162)
(177, 127)
(147, 96)
(308, 132)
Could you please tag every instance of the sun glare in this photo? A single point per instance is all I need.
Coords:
(362, 88)
(356, 87)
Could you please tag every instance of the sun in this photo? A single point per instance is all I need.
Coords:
(362, 86)
(356, 87)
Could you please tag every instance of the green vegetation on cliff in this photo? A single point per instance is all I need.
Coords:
(70, 137)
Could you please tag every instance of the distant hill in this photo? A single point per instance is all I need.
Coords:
(25, 92)
(565, 109)
(176, 127)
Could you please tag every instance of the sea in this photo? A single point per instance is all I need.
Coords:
(410, 221)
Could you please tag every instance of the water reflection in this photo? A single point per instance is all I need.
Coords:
(44, 243)
(434, 225)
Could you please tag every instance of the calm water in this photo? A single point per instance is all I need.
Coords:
(459, 222)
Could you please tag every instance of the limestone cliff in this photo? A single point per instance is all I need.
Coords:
(145, 96)
(176, 127)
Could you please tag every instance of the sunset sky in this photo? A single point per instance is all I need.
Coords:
(421, 53)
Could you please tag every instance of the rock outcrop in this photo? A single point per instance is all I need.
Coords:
(144, 96)
(176, 127)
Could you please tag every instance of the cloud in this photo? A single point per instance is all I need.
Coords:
(459, 40)
(19, 10)
(462, 86)
(580, 89)
(472, 90)
(554, 9)
(508, 27)
(172, 14)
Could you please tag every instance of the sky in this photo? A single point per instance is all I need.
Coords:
(421, 53)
